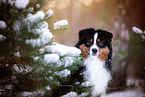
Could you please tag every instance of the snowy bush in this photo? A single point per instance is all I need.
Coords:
(139, 31)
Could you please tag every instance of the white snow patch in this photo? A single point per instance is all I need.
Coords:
(41, 51)
(44, 38)
(36, 58)
(51, 58)
(60, 24)
(2, 25)
(137, 30)
(4, 1)
(31, 9)
(63, 50)
(125, 94)
(84, 94)
(21, 3)
(70, 94)
(69, 61)
(63, 73)
(28, 94)
(49, 13)
(11, 2)
(42, 25)
(17, 54)
(31, 19)
(86, 84)
(2, 37)
(48, 88)
(22, 68)
(37, 5)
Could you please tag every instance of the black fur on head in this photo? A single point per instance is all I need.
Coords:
(84, 35)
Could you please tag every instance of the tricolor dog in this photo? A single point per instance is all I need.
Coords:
(96, 49)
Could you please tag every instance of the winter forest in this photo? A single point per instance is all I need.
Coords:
(38, 53)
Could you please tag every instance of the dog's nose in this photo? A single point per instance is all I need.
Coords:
(94, 50)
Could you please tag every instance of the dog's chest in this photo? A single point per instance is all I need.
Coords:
(96, 74)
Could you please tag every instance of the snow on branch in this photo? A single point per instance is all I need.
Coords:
(2, 37)
(60, 24)
(21, 3)
(70, 94)
(44, 38)
(51, 58)
(139, 31)
(31, 19)
(63, 50)
(2, 25)
(49, 13)
(63, 73)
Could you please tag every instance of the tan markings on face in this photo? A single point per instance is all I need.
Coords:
(103, 53)
(85, 51)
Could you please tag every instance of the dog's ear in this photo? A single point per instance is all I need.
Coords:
(82, 36)
(83, 33)
(109, 36)
(106, 33)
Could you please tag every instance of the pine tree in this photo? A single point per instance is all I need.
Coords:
(31, 62)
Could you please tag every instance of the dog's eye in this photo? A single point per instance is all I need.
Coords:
(91, 40)
(98, 40)
(101, 43)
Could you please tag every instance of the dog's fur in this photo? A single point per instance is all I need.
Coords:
(96, 49)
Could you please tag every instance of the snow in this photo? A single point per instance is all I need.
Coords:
(16, 26)
(36, 58)
(42, 25)
(22, 68)
(17, 54)
(11, 2)
(63, 73)
(71, 94)
(48, 88)
(86, 84)
(125, 94)
(69, 61)
(51, 58)
(31, 9)
(84, 94)
(37, 5)
(49, 13)
(2, 25)
(63, 50)
(137, 30)
(4, 1)
(41, 51)
(2, 37)
(31, 19)
(44, 38)
(21, 3)
(60, 24)
(28, 94)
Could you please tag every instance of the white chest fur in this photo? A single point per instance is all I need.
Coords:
(96, 74)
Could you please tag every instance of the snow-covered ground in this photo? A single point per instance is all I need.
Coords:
(129, 93)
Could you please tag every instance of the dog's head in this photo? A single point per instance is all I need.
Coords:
(95, 43)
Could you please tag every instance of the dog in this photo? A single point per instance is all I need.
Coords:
(96, 47)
